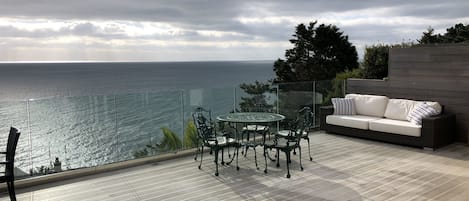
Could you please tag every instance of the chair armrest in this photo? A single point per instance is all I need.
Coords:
(438, 131)
(3, 152)
(324, 111)
(4, 162)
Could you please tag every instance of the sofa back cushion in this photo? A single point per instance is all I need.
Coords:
(369, 105)
(399, 109)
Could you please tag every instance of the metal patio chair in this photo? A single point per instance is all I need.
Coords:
(8, 176)
(208, 137)
(287, 144)
(306, 116)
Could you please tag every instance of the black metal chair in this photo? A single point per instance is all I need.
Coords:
(254, 130)
(208, 137)
(307, 117)
(287, 144)
(8, 176)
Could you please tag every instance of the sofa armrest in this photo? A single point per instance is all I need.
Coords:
(324, 111)
(438, 131)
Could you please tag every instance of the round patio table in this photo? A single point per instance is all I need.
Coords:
(251, 118)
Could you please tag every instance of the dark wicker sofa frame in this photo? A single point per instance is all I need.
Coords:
(437, 131)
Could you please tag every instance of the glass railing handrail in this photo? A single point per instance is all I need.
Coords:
(93, 130)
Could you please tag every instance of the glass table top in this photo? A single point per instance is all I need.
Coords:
(251, 117)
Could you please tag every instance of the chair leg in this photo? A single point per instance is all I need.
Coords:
(255, 157)
(198, 150)
(287, 153)
(309, 150)
(246, 151)
(275, 156)
(265, 160)
(201, 157)
(11, 190)
(278, 158)
(222, 153)
(237, 153)
(229, 156)
(216, 162)
(301, 164)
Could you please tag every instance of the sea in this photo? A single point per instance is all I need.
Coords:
(93, 113)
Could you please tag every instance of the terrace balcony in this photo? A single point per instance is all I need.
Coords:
(343, 169)
(99, 140)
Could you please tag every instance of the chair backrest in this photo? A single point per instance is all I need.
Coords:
(301, 124)
(13, 137)
(204, 125)
(306, 115)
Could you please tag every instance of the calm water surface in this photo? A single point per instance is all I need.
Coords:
(89, 114)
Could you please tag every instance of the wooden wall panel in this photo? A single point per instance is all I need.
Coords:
(435, 73)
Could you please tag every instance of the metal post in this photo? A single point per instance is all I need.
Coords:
(278, 108)
(29, 137)
(115, 128)
(278, 91)
(234, 99)
(314, 104)
(344, 86)
(182, 116)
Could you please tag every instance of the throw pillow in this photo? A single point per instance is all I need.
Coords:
(343, 106)
(419, 112)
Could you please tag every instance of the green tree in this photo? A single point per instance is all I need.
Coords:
(257, 101)
(459, 33)
(170, 141)
(376, 59)
(375, 62)
(337, 89)
(429, 37)
(190, 135)
(318, 53)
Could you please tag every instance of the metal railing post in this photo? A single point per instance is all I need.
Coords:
(182, 118)
(344, 87)
(234, 99)
(314, 104)
(28, 110)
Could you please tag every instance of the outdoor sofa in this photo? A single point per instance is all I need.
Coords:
(387, 120)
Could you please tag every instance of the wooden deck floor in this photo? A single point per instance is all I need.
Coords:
(343, 169)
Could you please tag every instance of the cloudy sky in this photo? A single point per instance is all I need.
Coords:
(188, 30)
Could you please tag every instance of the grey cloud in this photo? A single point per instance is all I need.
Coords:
(442, 10)
(216, 14)
(424, 8)
(84, 29)
(221, 15)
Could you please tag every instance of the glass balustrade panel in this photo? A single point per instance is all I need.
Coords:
(148, 124)
(77, 131)
(15, 114)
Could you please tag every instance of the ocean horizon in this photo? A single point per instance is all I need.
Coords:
(33, 80)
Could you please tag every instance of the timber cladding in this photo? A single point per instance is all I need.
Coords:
(431, 72)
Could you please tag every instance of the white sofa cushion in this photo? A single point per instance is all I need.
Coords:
(396, 127)
(399, 109)
(353, 121)
(369, 105)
